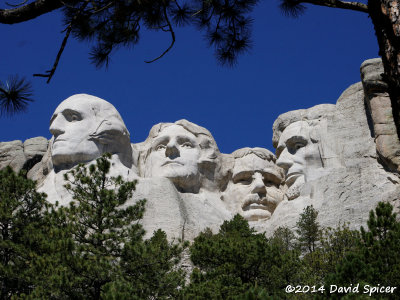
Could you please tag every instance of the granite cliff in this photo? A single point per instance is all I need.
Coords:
(341, 158)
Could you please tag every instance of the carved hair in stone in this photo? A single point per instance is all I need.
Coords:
(184, 152)
(303, 147)
(254, 187)
(83, 128)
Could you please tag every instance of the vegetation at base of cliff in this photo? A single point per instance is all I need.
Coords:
(238, 263)
(94, 249)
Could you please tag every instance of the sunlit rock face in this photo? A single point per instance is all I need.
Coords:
(380, 109)
(83, 128)
(341, 158)
(329, 154)
(187, 156)
(254, 189)
(183, 152)
(304, 147)
(22, 155)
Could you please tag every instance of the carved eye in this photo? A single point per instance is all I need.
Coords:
(244, 181)
(297, 146)
(160, 147)
(268, 182)
(74, 118)
(187, 145)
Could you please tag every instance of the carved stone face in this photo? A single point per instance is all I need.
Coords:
(254, 191)
(174, 154)
(297, 155)
(71, 124)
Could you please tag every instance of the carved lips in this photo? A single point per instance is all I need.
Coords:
(254, 202)
(169, 162)
(256, 208)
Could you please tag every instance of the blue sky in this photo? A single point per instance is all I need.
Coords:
(294, 63)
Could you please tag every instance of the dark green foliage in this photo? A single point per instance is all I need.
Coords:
(98, 228)
(255, 293)
(21, 232)
(148, 267)
(100, 248)
(333, 246)
(119, 23)
(308, 229)
(94, 249)
(376, 258)
(284, 239)
(15, 95)
(236, 260)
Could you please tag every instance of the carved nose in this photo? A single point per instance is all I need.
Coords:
(284, 160)
(171, 151)
(258, 185)
(56, 128)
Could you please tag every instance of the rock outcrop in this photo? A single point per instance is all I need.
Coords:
(24, 155)
(380, 108)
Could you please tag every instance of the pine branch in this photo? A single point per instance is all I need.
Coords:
(172, 37)
(29, 11)
(51, 72)
(16, 5)
(357, 6)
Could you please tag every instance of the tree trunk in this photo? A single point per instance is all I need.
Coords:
(29, 11)
(385, 15)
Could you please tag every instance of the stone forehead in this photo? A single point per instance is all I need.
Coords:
(298, 128)
(314, 113)
(175, 130)
(196, 130)
(103, 111)
(84, 101)
(260, 152)
(254, 162)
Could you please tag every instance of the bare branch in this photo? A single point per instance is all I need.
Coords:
(197, 12)
(172, 37)
(16, 5)
(51, 72)
(358, 6)
(28, 11)
(102, 8)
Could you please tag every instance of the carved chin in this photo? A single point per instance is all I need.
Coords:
(59, 158)
(294, 190)
(172, 171)
(183, 179)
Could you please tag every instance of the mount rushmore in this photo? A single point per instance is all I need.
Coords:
(342, 159)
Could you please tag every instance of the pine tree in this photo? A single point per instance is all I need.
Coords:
(97, 227)
(21, 232)
(148, 270)
(308, 229)
(332, 248)
(376, 258)
(239, 263)
(97, 244)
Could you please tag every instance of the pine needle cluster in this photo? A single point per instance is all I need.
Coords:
(113, 24)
